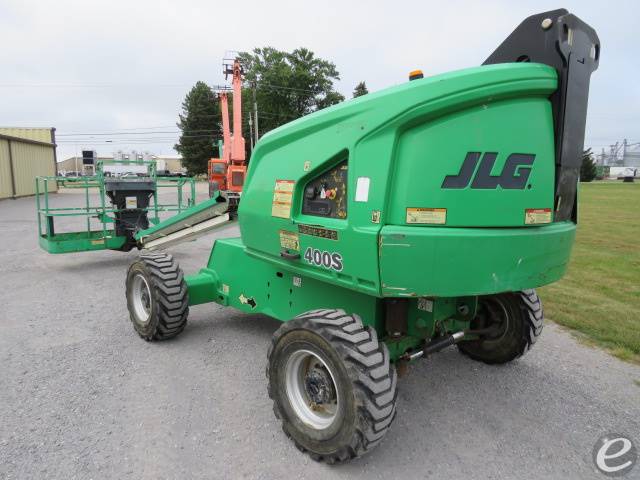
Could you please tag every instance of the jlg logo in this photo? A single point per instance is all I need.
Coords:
(514, 175)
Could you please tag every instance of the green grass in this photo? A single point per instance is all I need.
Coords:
(600, 295)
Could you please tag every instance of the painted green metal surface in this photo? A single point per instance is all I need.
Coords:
(401, 143)
(72, 242)
(450, 262)
(427, 153)
(255, 285)
(235, 278)
(405, 140)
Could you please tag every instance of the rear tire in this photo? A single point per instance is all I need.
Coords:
(332, 385)
(157, 296)
(517, 319)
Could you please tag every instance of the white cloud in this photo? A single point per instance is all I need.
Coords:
(104, 66)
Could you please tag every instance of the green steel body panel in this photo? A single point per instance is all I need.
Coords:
(427, 153)
(400, 140)
(450, 262)
(400, 143)
(72, 242)
(235, 278)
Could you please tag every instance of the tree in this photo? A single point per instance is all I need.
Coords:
(361, 89)
(288, 85)
(588, 169)
(200, 126)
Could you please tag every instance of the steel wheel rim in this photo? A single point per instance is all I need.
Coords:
(504, 323)
(141, 298)
(307, 378)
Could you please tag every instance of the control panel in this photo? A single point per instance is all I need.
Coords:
(326, 195)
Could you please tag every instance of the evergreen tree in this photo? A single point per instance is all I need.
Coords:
(361, 89)
(588, 169)
(199, 123)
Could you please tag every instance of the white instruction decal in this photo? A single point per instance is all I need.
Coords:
(362, 189)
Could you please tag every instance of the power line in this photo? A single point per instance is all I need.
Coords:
(126, 139)
(284, 87)
(147, 86)
(140, 140)
(177, 132)
(89, 85)
(127, 133)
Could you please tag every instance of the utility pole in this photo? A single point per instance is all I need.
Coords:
(251, 130)
(255, 112)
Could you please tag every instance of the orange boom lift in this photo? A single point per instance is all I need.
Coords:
(227, 174)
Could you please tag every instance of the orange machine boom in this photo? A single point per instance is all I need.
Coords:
(227, 174)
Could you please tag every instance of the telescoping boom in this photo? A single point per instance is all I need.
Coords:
(227, 173)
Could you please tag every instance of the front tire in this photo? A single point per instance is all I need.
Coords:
(332, 384)
(157, 296)
(514, 323)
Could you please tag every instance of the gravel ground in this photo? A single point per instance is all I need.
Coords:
(82, 396)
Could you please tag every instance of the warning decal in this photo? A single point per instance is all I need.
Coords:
(289, 240)
(534, 216)
(282, 196)
(435, 216)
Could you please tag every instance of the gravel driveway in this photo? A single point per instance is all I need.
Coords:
(82, 396)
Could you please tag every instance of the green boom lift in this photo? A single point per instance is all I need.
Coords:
(391, 226)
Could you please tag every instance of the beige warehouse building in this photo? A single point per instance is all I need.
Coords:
(74, 164)
(26, 153)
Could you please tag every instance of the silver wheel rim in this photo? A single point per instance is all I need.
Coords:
(141, 296)
(311, 389)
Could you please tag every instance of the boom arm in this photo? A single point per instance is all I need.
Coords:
(237, 150)
(226, 134)
(566, 43)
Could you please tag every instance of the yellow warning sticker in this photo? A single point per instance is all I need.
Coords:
(289, 240)
(434, 216)
(534, 216)
(282, 196)
(99, 241)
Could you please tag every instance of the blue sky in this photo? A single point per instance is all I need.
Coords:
(103, 67)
